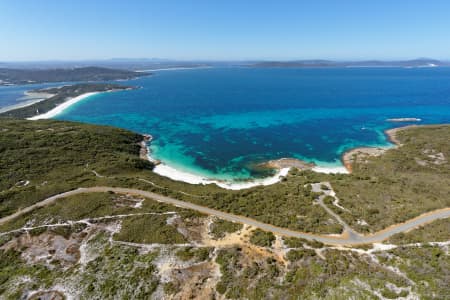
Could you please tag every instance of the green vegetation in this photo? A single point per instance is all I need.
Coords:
(43, 158)
(288, 204)
(61, 95)
(137, 278)
(437, 231)
(27, 76)
(198, 254)
(84, 206)
(336, 275)
(111, 270)
(298, 254)
(427, 266)
(310, 276)
(149, 230)
(262, 238)
(292, 242)
(219, 228)
(324, 187)
(252, 282)
(100, 277)
(400, 184)
(11, 267)
(57, 156)
(170, 288)
(123, 271)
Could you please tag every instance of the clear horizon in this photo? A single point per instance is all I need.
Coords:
(232, 31)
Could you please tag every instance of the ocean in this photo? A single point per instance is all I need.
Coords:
(220, 123)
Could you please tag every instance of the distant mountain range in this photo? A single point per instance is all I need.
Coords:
(317, 63)
(115, 63)
(159, 63)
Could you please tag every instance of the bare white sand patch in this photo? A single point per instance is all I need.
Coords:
(330, 170)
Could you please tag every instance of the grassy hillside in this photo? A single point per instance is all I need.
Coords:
(43, 158)
(402, 183)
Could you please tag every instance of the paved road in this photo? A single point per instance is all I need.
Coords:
(345, 239)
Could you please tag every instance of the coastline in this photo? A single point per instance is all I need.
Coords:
(33, 97)
(177, 175)
(174, 69)
(63, 106)
(391, 133)
(63, 97)
(359, 153)
(282, 166)
(167, 171)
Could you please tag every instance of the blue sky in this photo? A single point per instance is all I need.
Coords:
(224, 30)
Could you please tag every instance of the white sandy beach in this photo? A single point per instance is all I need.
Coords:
(183, 176)
(60, 108)
(174, 174)
(330, 170)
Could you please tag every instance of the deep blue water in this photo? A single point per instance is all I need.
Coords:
(219, 122)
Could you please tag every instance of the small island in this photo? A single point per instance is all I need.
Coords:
(323, 63)
(404, 120)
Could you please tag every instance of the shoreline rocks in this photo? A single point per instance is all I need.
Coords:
(360, 154)
(143, 153)
(287, 163)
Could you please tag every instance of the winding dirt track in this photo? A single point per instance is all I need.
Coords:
(347, 238)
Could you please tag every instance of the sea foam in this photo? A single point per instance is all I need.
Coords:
(183, 176)
(178, 175)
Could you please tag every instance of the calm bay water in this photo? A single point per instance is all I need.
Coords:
(220, 122)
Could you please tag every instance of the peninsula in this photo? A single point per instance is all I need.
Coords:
(54, 97)
(10, 76)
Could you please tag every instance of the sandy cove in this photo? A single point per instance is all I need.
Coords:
(360, 153)
(282, 167)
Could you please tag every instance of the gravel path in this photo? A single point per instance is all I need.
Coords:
(347, 238)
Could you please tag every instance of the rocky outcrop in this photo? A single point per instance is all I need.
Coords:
(287, 163)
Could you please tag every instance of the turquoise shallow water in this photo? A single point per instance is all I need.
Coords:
(220, 122)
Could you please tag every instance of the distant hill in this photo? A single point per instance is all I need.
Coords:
(25, 76)
(317, 63)
(115, 63)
